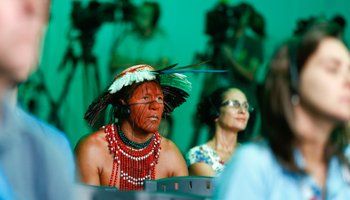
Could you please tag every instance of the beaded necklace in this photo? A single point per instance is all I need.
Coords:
(136, 165)
(128, 142)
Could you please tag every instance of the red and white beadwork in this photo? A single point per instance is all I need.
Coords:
(136, 165)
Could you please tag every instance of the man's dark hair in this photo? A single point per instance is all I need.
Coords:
(156, 12)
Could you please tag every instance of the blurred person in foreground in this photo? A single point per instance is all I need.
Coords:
(22, 49)
(305, 108)
(31, 166)
(227, 112)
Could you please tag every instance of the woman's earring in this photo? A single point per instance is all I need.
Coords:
(295, 99)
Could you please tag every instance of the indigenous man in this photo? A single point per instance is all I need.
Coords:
(126, 153)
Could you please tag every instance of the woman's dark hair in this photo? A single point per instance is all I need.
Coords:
(277, 110)
(208, 109)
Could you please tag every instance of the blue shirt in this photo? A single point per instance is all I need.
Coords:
(254, 173)
(32, 167)
(50, 132)
(6, 192)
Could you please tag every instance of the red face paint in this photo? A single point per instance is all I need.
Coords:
(147, 105)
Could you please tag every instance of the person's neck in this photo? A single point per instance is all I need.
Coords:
(314, 133)
(12, 95)
(7, 93)
(134, 134)
(239, 33)
(224, 139)
(147, 32)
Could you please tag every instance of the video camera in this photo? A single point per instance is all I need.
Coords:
(90, 18)
(223, 17)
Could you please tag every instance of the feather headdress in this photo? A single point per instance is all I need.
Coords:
(175, 87)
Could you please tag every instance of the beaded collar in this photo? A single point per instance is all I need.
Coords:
(135, 165)
(128, 142)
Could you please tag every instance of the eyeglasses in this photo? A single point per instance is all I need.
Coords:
(237, 104)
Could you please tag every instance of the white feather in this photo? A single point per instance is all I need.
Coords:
(131, 77)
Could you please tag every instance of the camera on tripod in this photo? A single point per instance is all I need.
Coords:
(93, 16)
(223, 17)
(90, 18)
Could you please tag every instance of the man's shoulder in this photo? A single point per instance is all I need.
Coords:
(95, 138)
(56, 136)
(169, 148)
(41, 125)
(168, 145)
(95, 141)
(171, 159)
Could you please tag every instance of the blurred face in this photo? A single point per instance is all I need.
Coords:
(22, 23)
(230, 117)
(244, 20)
(144, 17)
(325, 81)
(146, 104)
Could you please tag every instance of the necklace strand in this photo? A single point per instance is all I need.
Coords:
(131, 143)
(134, 166)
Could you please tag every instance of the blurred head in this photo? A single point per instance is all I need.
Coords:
(325, 80)
(234, 111)
(322, 63)
(246, 15)
(145, 101)
(226, 107)
(258, 24)
(147, 16)
(22, 23)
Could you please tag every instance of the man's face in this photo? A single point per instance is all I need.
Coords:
(144, 17)
(22, 23)
(146, 104)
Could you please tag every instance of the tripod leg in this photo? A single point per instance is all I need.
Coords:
(97, 77)
(87, 86)
(55, 106)
(102, 119)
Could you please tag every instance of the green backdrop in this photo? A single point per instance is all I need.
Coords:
(184, 22)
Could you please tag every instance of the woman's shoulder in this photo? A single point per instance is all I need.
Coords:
(203, 148)
(199, 153)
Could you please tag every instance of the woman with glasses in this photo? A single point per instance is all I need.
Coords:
(227, 112)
